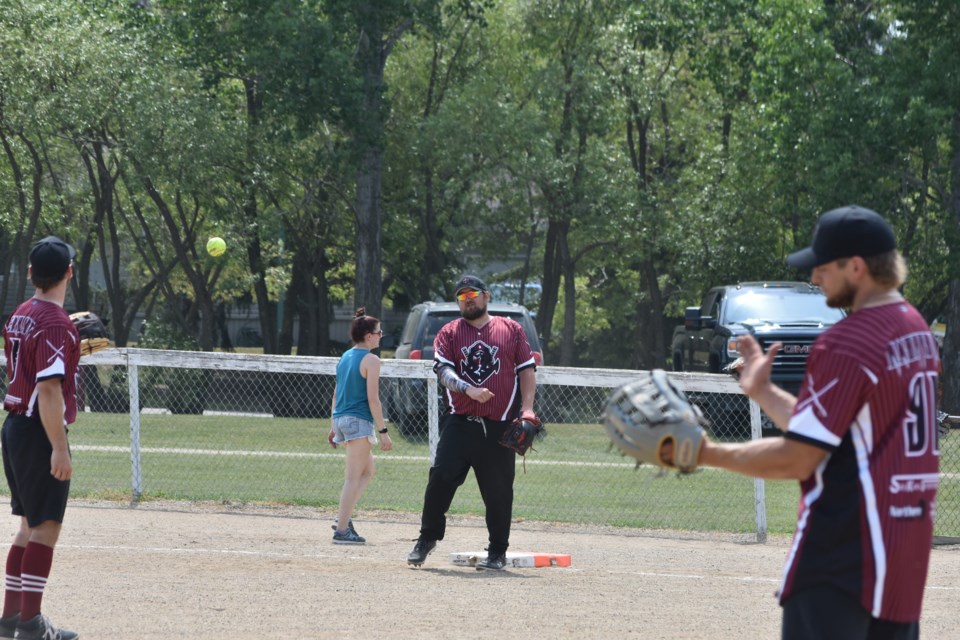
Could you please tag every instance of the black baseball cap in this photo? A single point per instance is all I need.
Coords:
(469, 282)
(843, 233)
(50, 258)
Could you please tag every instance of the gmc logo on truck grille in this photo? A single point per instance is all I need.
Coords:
(796, 349)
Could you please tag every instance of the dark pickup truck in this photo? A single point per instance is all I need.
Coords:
(793, 313)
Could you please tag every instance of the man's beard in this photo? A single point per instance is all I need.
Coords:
(843, 299)
(474, 312)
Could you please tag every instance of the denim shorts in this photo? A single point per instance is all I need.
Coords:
(346, 428)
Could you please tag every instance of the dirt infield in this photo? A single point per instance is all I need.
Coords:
(172, 570)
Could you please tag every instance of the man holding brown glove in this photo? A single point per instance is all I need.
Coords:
(486, 366)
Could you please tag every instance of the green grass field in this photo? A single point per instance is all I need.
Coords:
(573, 476)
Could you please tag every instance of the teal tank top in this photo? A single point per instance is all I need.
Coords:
(351, 396)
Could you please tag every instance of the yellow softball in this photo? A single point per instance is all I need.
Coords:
(216, 246)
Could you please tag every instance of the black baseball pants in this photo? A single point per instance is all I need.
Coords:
(823, 612)
(467, 442)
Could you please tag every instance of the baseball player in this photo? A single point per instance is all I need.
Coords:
(861, 438)
(43, 353)
(487, 368)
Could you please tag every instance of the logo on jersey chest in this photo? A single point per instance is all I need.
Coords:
(479, 362)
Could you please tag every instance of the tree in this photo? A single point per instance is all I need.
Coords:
(26, 68)
(570, 97)
(459, 188)
(869, 116)
(918, 99)
(372, 30)
(259, 56)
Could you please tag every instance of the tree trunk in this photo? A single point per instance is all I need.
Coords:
(951, 353)
(568, 343)
(951, 340)
(266, 308)
(369, 144)
(369, 260)
(656, 355)
(550, 291)
(29, 214)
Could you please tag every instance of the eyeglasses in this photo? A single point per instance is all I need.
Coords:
(378, 332)
(473, 293)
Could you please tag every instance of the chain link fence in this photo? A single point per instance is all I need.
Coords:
(247, 428)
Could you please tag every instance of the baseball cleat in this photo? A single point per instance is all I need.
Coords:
(8, 625)
(420, 552)
(493, 562)
(39, 627)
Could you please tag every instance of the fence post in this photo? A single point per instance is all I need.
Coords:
(759, 488)
(133, 381)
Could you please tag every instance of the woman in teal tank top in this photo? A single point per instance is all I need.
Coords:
(357, 413)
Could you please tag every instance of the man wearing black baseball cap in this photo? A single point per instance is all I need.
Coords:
(486, 368)
(43, 355)
(845, 232)
(860, 437)
(469, 282)
(49, 260)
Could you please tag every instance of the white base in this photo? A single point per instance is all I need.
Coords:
(515, 559)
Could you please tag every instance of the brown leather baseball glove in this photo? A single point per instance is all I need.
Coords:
(93, 332)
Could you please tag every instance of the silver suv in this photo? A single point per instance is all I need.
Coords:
(404, 401)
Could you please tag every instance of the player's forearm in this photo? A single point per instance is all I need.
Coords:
(449, 379)
(528, 388)
(770, 458)
(51, 408)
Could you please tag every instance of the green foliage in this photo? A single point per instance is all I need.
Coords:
(652, 149)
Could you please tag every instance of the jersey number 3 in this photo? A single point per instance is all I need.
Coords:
(920, 424)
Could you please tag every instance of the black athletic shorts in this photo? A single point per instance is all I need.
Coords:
(825, 613)
(34, 493)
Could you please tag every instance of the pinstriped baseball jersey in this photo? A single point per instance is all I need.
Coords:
(865, 522)
(40, 342)
(487, 357)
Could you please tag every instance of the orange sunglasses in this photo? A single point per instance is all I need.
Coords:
(473, 293)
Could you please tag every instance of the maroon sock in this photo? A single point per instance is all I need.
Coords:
(35, 569)
(11, 593)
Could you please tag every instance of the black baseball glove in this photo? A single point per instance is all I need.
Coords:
(520, 434)
(92, 330)
(641, 416)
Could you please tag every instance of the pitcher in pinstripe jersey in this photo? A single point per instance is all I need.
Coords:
(860, 437)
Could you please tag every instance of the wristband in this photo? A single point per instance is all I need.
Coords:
(384, 430)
